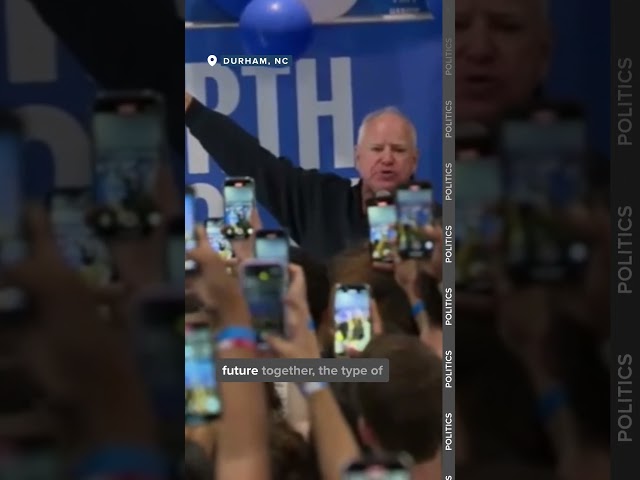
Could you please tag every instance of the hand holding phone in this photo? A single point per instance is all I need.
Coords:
(479, 218)
(202, 400)
(128, 136)
(214, 228)
(189, 227)
(265, 284)
(414, 203)
(79, 245)
(352, 319)
(239, 202)
(544, 152)
(272, 245)
(382, 216)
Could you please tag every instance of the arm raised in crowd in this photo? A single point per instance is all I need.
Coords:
(525, 319)
(335, 444)
(242, 446)
(291, 194)
(86, 365)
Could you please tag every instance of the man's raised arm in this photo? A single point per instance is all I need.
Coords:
(105, 37)
(291, 194)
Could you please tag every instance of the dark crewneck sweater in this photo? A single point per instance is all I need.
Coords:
(322, 211)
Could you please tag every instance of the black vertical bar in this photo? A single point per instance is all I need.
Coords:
(624, 200)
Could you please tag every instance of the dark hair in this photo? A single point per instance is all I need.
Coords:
(292, 458)
(197, 466)
(404, 413)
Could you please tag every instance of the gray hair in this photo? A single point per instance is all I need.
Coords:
(383, 111)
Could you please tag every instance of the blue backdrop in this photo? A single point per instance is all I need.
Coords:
(40, 79)
(311, 112)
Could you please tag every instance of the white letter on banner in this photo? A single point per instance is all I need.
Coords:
(31, 46)
(310, 109)
(67, 141)
(213, 197)
(196, 75)
(267, 105)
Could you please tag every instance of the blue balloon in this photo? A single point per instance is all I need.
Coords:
(233, 8)
(276, 27)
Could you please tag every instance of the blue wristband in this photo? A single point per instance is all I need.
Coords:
(309, 388)
(122, 460)
(417, 308)
(550, 402)
(311, 325)
(237, 333)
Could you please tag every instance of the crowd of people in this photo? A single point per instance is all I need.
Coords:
(531, 361)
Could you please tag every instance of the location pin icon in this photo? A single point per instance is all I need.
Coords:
(212, 60)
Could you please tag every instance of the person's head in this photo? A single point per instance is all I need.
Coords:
(292, 458)
(404, 414)
(387, 150)
(503, 49)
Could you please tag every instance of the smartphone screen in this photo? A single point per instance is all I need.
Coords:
(202, 401)
(382, 216)
(378, 469)
(239, 201)
(128, 135)
(352, 319)
(272, 245)
(544, 151)
(189, 227)
(264, 285)
(78, 243)
(217, 240)
(13, 247)
(478, 217)
(414, 204)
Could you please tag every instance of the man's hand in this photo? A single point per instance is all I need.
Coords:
(187, 101)
(406, 275)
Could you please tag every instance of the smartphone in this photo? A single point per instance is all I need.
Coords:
(201, 398)
(272, 245)
(383, 217)
(217, 240)
(544, 150)
(378, 468)
(13, 245)
(239, 202)
(189, 227)
(352, 318)
(479, 219)
(414, 204)
(78, 243)
(264, 284)
(129, 145)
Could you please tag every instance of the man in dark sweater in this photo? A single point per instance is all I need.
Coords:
(323, 212)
